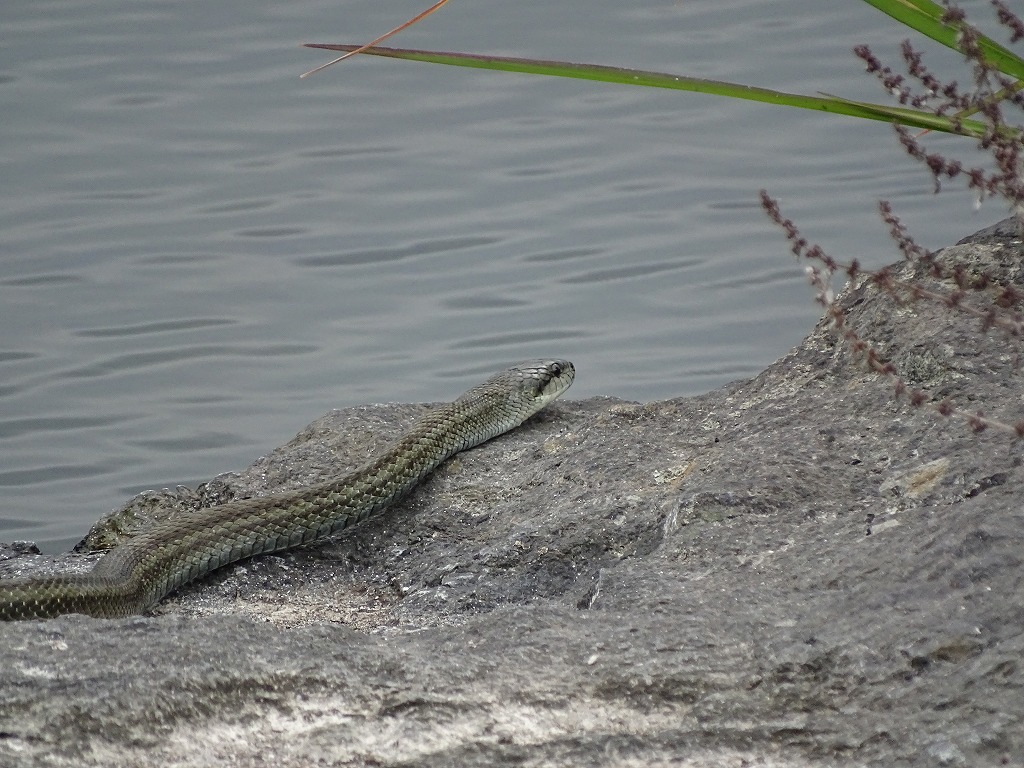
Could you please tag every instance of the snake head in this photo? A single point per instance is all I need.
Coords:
(509, 398)
(541, 381)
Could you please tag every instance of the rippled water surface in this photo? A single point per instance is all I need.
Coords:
(200, 253)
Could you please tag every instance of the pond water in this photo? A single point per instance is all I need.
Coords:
(200, 252)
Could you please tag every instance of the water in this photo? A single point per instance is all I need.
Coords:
(200, 253)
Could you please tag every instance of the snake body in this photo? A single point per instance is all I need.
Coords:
(135, 575)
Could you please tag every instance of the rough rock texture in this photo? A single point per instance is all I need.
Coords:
(795, 570)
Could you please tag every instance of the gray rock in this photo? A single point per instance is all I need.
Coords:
(793, 570)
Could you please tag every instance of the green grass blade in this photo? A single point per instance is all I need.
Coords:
(925, 17)
(909, 117)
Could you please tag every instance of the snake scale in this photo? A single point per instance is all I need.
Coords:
(134, 576)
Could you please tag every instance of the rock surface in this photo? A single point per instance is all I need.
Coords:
(796, 570)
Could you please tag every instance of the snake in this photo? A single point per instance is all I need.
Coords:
(135, 575)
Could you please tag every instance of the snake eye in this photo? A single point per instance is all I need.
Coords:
(556, 370)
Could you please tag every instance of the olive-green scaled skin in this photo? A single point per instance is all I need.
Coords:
(134, 576)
